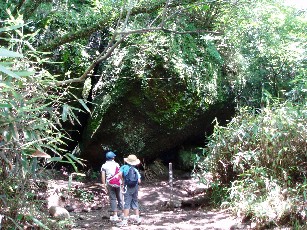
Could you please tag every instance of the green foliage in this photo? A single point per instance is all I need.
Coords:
(179, 76)
(261, 157)
(83, 195)
(113, 89)
(259, 56)
(298, 93)
(257, 195)
(32, 110)
(271, 139)
(94, 175)
(186, 158)
(218, 193)
(265, 48)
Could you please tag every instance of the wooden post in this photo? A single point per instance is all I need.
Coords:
(170, 167)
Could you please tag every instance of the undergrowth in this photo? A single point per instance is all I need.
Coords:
(260, 160)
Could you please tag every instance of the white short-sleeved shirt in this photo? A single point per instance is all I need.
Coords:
(109, 167)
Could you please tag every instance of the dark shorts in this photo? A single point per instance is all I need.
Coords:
(115, 197)
(131, 198)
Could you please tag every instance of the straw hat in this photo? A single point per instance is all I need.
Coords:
(132, 160)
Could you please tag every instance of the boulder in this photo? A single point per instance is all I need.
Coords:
(148, 122)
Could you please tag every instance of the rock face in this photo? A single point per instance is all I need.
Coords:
(149, 121)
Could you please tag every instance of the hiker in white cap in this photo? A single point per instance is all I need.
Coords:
(131, 178)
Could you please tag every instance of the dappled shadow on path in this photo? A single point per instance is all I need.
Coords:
(154, 198)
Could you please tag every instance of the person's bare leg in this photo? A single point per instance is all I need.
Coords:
(126, 213)
(137, 212)
(137, 216)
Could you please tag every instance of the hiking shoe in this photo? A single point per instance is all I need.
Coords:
(123, 223)
(114, 218)
(138, 220)
(135, 219)
(121, 216)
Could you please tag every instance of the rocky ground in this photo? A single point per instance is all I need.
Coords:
(89, 207)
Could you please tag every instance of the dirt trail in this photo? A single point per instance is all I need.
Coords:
(155, 213)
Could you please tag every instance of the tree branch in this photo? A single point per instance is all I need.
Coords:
(105, 22)
(30, 7)
(164, 13)
(153, 29)
(103, 56)
(122, 35)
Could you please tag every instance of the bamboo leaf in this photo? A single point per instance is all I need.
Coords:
(4, 85)
(24, 73)
(84, 105)
(75, 117)
(10, 28)
(52, 159)
(9, 53)
(40, 108)
(65, 112)
(8, 72)
(39, 223)
(6, 63)
(71, 162)
(78, 160)
(5, 106)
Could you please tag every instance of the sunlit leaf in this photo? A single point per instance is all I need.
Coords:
(75, 158)
(8, 72)
(5, 106)
(71, 162)
(8, 53)
(24, 73)
(10, 28)
(54, 159)
(38, 153)
(75, 118)
(39, 223)
(65, 112)
(84, 105)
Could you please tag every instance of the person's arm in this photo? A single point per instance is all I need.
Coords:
(122, 174)
(139, 176)
(103, 179)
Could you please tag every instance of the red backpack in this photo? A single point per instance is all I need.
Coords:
(114, 181)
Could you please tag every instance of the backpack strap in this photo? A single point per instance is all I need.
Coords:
(115, 174)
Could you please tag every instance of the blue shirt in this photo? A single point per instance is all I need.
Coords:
(125, 169)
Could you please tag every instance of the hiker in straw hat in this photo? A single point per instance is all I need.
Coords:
(131, 177)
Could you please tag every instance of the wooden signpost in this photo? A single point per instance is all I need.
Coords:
(171, 203)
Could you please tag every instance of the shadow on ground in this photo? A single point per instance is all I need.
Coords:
(156, 214)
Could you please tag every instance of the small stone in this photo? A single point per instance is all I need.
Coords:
(81, 218)
(70, 208)
(96, 207)
(85, 225)
(87, 209)
(59, 212)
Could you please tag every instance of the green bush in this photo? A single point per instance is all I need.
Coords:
(261, 156)
(186, 158)
(32, 109)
